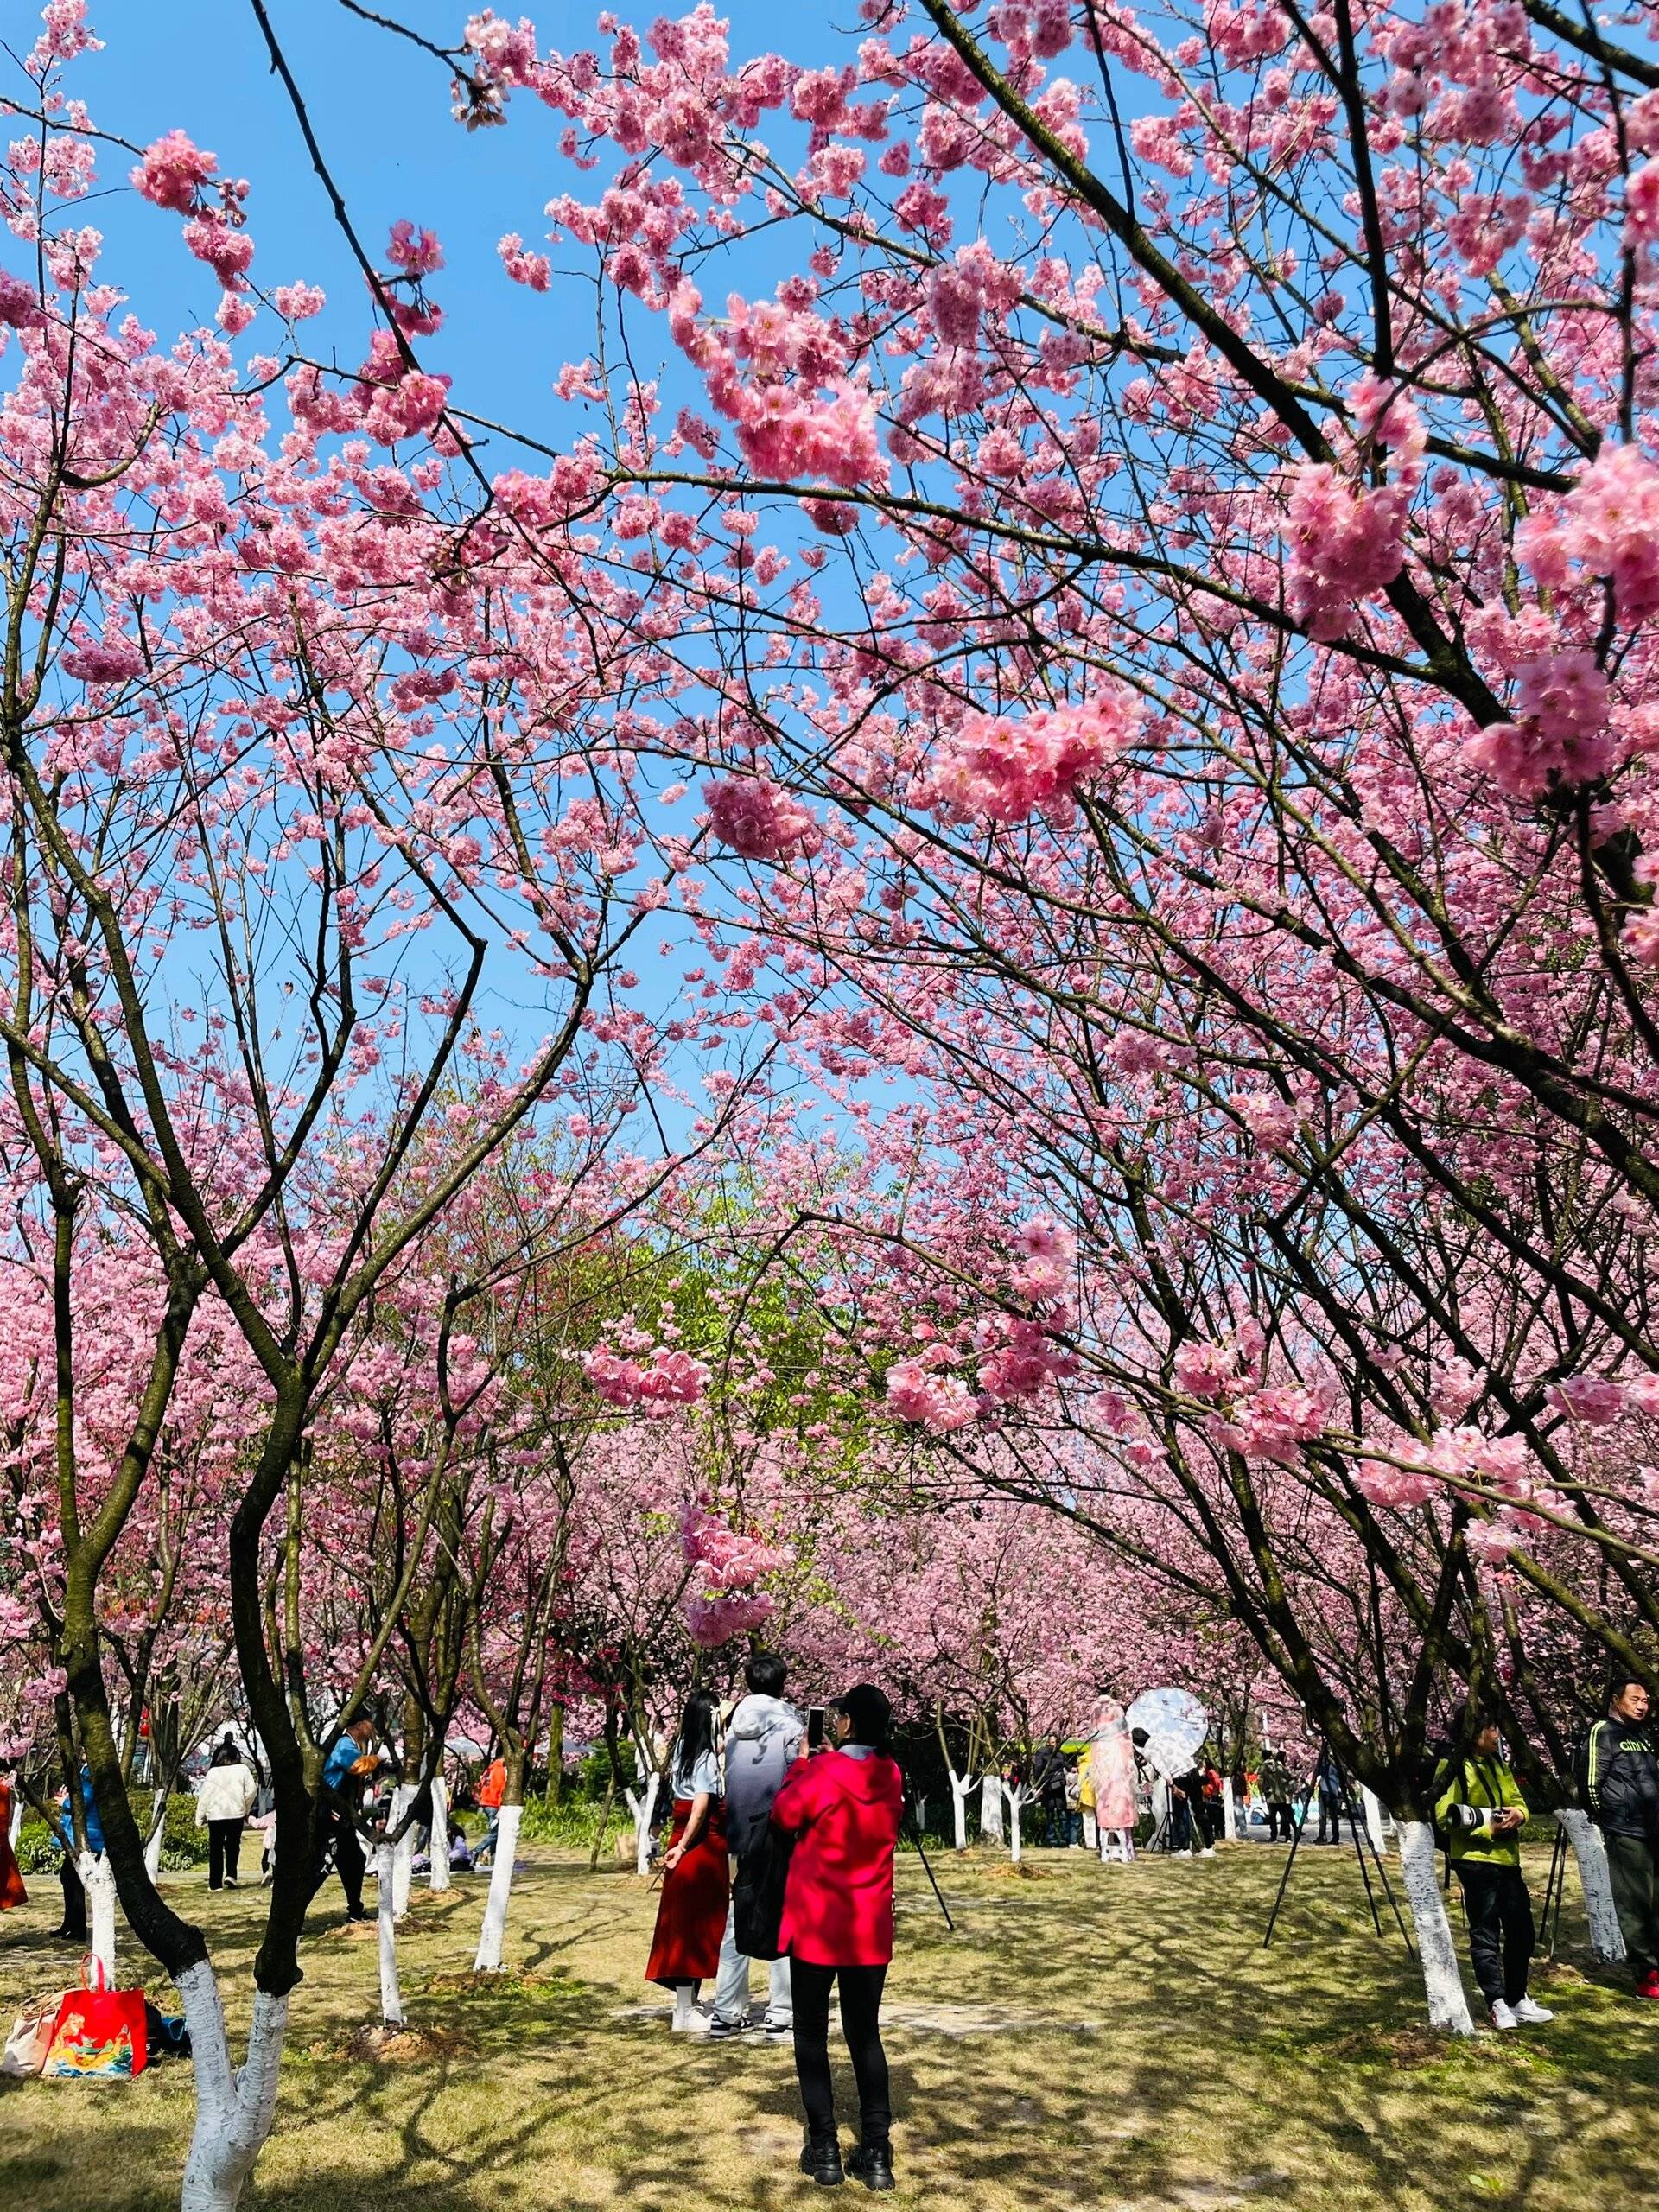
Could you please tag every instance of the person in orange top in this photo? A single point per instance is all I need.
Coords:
(11, 1881)
(491, 1791)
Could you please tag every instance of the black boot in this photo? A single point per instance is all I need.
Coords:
(872, 2163)
(821, 2157)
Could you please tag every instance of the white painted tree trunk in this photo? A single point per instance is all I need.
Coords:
(990, 1810)
(492, 1934)
(438, 1848)
(97, 1878)
(234, 2108)
(960, 1784)
(1373, 1805)
(391, 1997)
(1448, 2008)
(403, 1852)
(1606, 1940)
(157, 1835)
(16, 1818)
(1228, 1812)
(642, 1808)
(1016, 1800)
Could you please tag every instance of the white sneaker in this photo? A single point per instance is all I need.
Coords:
(1503, 2017)
(1208, 1852)
(1531, 2015)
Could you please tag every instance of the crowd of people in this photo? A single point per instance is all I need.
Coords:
(783, 1826)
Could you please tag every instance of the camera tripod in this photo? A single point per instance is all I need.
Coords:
(912, 1830)
(1365, 1843)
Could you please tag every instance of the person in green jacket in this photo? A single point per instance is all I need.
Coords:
(1480, 1808)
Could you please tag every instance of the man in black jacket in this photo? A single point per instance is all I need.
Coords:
(1048, 1779)
(1621, 1789)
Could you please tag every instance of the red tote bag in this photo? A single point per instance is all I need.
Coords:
(99, 2034)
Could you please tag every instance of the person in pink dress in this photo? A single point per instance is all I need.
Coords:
(1111, 1762)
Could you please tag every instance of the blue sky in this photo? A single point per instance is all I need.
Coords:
(380, 110)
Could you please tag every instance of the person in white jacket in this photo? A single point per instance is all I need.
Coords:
(763, 1740)
(223, 1802)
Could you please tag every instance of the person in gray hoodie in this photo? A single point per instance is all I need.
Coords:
(763, 1741)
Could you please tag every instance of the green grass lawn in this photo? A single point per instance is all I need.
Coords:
(1108, 2038)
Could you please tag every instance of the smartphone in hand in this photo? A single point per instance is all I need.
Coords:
(814, 1727)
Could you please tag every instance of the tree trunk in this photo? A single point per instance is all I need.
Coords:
(960, 1786)
(1016, 1799)
(492, 1934)
(391, 1997)
(990, 1809)
(234, 2109)
(1606, 1940)
(1448, 2008)
(157, 1835)
(438, 1846)
(554, 1752)
(97, 1878)
(642, 1809)
(403, 1852)
(605, 1812)
(16, 1818)
(1228, 1812)
(1373, 1806)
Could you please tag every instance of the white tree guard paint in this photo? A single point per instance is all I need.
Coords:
(438, 1848)
(391, 1997)
(156, 1837)
(97, 1878)
(990, 1810)
(960, 1784)
(16, 1817)
(403, 1852)
(1606, 1940)
(1374, 1828)
(642, 1809)
(1448, 2008)
(492, 1934)
(1016, 1799)
(1228, 1812)
(234, 2108)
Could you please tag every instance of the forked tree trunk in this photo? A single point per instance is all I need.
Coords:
(492, 1934)
(391, 1997)
(403, 1852)
(960, 1786)
(1448, 2008)
(1606, 1940)
(234, 2106)
(438, 1846)
(642, 1808)
(990, 1809)
(97, 1878)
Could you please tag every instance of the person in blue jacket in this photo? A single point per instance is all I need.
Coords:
(348, 1766)
(74, 1927)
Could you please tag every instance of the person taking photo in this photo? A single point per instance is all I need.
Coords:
(1480, 1809)
(763, 1741)
(843, 1805)
(1620, 1782)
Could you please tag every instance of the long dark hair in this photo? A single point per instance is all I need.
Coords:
(696, 1734)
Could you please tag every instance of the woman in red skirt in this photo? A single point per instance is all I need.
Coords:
(696, 1882)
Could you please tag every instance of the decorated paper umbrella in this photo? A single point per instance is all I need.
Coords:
(1176, 1724)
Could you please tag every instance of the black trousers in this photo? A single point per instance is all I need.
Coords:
(1278, 1817)
(224, 1851)
(860, 2023)
(1330, 1816)
(1633, 1870)
(1501, 1932)
(349, 1862)
(74, 1900)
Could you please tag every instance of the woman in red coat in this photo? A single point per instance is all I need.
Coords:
(842, 1808)
(696, 1879)
(11, 1881)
